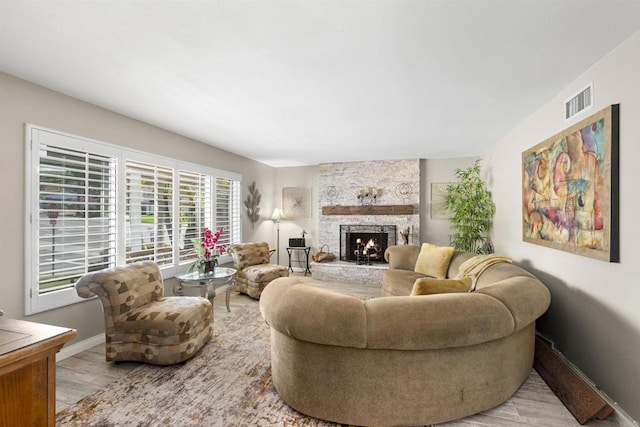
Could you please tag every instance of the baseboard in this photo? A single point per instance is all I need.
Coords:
(80, 346)
(619, 415)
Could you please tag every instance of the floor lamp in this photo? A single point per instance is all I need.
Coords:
(277, 215)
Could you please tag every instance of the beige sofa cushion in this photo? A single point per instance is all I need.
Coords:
(399, 282)
(428, 286)
(434, 260)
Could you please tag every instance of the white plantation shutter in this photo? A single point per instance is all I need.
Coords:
(208, 201)
(149, 213)
(228, 210)
(71, 203)
(76, 215)
(93, 205)
(195, 210)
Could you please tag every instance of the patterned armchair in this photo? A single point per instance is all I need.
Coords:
(142, 325)
(251, 260)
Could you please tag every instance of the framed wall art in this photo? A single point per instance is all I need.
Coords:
(438, 209)
(570, 189)
(296, 202)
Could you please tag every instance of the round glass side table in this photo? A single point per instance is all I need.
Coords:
(221, 279)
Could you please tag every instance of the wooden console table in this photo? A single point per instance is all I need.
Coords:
(28, 371)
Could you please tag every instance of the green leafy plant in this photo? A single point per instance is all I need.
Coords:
(471, 211)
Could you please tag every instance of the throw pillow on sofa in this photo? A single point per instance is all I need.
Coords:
(434, 260)
(426, 286)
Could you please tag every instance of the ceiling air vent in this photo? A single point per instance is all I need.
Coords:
(579, 102)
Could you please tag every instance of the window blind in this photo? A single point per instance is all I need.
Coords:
(149, 213)
(195, 210)
(76, 215)
(228, 210)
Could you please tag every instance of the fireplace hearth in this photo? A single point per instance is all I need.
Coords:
(365, 244)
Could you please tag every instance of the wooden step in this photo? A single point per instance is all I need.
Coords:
(582, 400)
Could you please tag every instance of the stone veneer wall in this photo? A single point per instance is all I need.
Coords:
(339, 182)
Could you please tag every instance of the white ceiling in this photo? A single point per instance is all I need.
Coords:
(296, 82)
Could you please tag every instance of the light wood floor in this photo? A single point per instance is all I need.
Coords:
(533, 404)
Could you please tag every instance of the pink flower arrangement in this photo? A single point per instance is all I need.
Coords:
(209, 250)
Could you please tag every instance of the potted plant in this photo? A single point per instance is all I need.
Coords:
(208, 251)
(471, 210)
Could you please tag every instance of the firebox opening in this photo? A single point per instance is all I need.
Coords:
(365, 244)
(366, 247)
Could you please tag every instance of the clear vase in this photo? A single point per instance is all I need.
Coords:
(207, 267)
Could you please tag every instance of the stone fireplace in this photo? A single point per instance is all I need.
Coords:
(396, 205)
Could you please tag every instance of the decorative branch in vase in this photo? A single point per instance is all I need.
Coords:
(404, 235)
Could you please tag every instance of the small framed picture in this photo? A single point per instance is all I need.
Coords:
(438, 210)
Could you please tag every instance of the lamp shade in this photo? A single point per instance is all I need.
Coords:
(277, 214)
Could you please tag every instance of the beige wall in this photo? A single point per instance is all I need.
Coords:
(431, 170)
(304, 176)
(594, 318)
(437, 231)
(22, 102)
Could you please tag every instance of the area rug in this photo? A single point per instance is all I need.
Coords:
(228, 383)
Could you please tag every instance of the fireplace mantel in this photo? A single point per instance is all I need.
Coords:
(369, 210)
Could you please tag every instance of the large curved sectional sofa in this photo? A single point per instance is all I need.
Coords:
(400, 359)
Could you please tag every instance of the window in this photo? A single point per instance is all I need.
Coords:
(228, 210)
(195, 210)
(149, 213)
(92, 205)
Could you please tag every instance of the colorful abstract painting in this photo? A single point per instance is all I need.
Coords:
(570, 189)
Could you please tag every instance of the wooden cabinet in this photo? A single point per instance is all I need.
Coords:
(28, 371)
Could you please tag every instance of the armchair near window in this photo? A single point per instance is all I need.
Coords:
(254, 271)
(140, 323)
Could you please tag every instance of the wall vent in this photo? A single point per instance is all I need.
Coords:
(578, 103)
